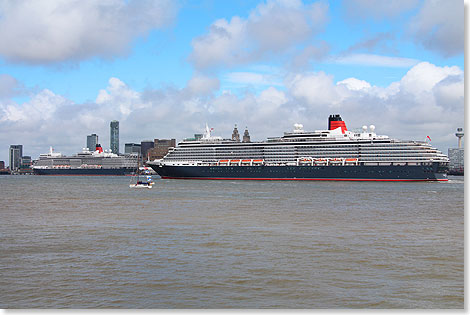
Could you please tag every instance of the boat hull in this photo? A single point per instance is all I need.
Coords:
(432, 172)
(85, 172)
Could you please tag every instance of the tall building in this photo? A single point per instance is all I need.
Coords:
(16, 152)
(235, 134)
(246, 135)
(144, 147)
(132, 148)
(114, 137)
(2, 165)
(91, 141)
(160, 148)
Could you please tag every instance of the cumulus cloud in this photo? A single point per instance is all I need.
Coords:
(379, 42)
(45, 32)
(374, 60)
(439, 26)
(428, 100)
(377, 9)
(201, 84)
(271, 28)
(10, 87)
(311, 52)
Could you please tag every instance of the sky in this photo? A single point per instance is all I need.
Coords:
(165, 68)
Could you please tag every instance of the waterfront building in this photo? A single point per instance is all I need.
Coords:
(16, 152)
(145, 146)
(246, 135)
(114, 136)
(91, 141)
(456, 160)
(26, 164)
(160, 148)
(2, 165)
(235, 134)
(132, 148)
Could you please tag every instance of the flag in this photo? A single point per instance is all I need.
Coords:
(428, 138)
(212, 129)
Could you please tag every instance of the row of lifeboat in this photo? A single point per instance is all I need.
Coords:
(246, 162)
(61, 166)
(328, 161)
(301, 161)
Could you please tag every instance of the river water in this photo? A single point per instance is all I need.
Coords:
(92, 242)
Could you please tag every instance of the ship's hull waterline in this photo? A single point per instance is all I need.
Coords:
(432, 172)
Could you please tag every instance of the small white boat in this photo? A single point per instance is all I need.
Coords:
(141, 185)
(141, 179)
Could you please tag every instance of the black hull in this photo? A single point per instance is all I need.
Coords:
(85, 172)
(354, 173)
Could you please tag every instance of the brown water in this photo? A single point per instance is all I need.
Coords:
(92, 242)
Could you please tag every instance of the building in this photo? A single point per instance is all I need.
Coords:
(91, 141)
(26, 165)
(145, 146)
(235, 134)
(132, 148)
(456, 161)
(160, 148)
(246, 135)
(114, 136)
(3, 170)
(16, 152)
(197, 137)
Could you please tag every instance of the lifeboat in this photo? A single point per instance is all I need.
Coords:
(336, 161)
(350, 161)
(234, 162)
(320, 161)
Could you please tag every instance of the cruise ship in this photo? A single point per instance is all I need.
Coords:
(87, 162)
(332, 154)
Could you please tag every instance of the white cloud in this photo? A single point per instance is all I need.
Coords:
(45, 32)
(355, 84)
(251, 78)
(424, 76)
(375, 60)
(203, 85)
(428, 100)
(377, 9)
(315, 89)
(439, 26)
(272, 27)
(9, 86)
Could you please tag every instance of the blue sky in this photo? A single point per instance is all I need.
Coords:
(165, 68)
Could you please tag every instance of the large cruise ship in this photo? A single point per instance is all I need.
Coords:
(332, 154)
(87, 162)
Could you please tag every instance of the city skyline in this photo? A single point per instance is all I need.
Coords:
(163, 69)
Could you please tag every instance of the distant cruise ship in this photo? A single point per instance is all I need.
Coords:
(333, 154)
(86, 162)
